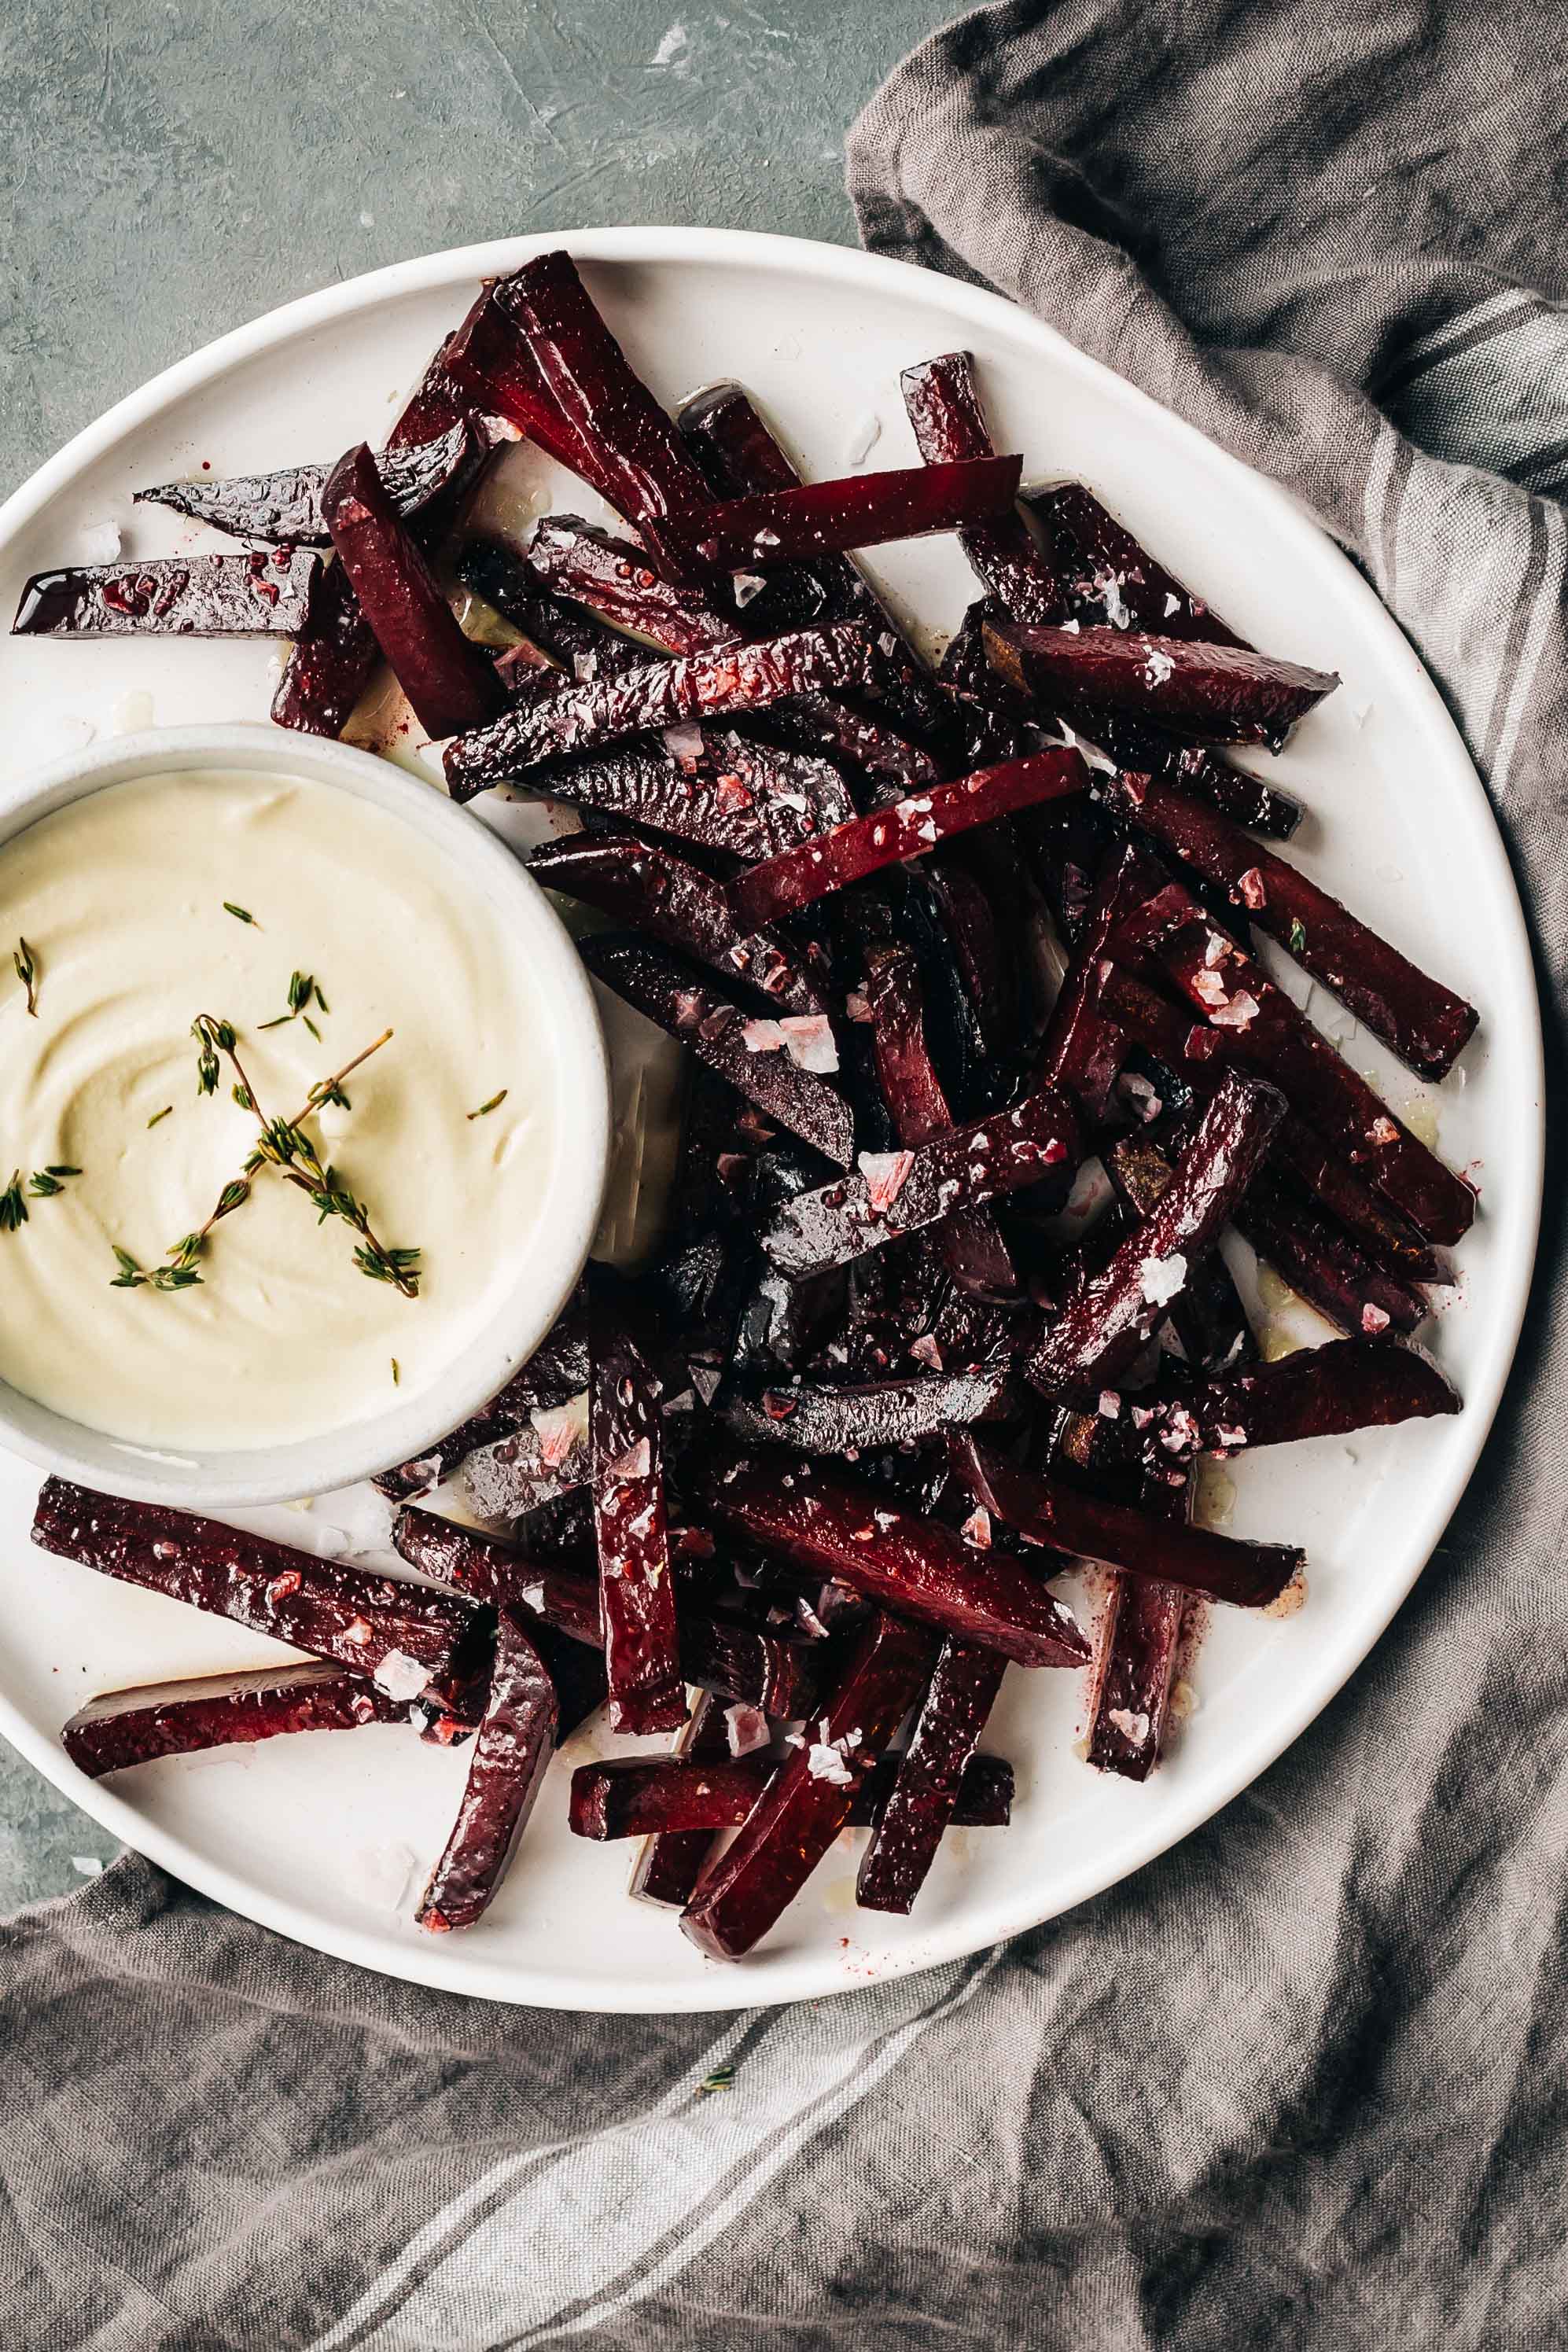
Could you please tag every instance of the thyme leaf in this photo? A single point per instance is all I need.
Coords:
(12, 1207)
(494, 1102)
(159, 1114)
(26, 965)
(241, 914)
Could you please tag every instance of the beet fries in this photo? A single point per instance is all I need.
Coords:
(506, 1771)
(806, 1475)
(185, 1719)
(826, 518)
(1201, 693)
(1425, 1022)
(259, 595)
(285, 507)
(943, 405)
(449, 681)
(807, 1802)
(907, 829)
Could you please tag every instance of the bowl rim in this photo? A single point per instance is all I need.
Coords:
(235, 1478)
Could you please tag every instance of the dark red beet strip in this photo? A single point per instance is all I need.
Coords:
(580, 716)
(259, 595)
(739, 796)
(507, 1769)
(449, 682)
(1246, 798)
(490, 360)
(1208, 1319)
(739, 456)
(747, 1666)
(286, 506)
(1320, 1261)
(943, 405)
(892, 1193)
(808, 1801)
(637, 1796)
(1422, 1021)
(650, 1796)
(1117, 575)
(1082, 1049)
(372, 1625)
(816, 1420)
(185, 1719)
(678, 903)
(614, 579)
(923, 1799)
(971, 1242)
(758, 1057)
(1327, 1391)
(557, 1370)
(669, 1865)
(636, 1588)
(1198, 1057)
(826, 518)
(1143, 1639)
(1102, 1329)
(822, 1520)
(908, 828)
(636, 451)
(1213, 694)
(335, 655)
(1120, 1534)
(536, 1464)
(1258, 1028)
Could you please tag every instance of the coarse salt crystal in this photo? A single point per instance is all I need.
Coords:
(825, 1763)
(1158, 667)
(925, 1351)
(400, 1677)
(1163, 1277)
(745, 1729)
(1133, 1727)
(637, 1461)
(1253, 890)
(762, 1037)
(1110, 1405)
(808, 1038)
(976, 1529)
(1238, 1013)
(1373, 1321)
(885, 1173)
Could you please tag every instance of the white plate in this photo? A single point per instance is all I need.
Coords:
(312, 1835)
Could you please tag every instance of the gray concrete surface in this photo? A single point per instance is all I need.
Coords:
(170, 168)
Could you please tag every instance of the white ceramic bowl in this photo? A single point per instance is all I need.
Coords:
(481, 866)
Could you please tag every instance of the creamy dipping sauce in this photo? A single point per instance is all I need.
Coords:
(121, 899)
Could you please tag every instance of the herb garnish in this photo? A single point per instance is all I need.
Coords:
(1297, 934)
(26, 965)
(301, 987)
(285, 1146)
(42, 1185)
(241, 914)
(397, 1373)
(494, 1102)
(721, 2079)
(44, 1182)
(160, 1115)
(12, 1207)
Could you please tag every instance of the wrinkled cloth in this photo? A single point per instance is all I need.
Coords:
(1300, 2083)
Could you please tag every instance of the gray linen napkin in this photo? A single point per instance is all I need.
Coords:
(1301, 2081)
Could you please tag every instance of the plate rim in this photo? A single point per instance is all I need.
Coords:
(813, 1976)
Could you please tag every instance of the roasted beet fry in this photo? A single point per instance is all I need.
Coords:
(943, 404)
(581, 717)
(1255, 1027)
(557, 1370)
(971, 1239)
(923, 1799)
(908, 828)
(490, 360)
(185, 1719)
(675, 901)
(1115, 578)
(638, 458)
(1201, 693)
(267, 593)
(1424, 1023)
(515, 1739)
(807, 1802)
(1319, 1261)
(450, 682)
(409, 1641)
(1099, 1332)
(1147, 1621)
(637, 1589)
(1327, 1391)
(822, 1519)
(678, 1802)
(893, 1193)
(1120, 1534)
(285, 508)
(826, 518)
(745, 798)
(776, 1063)
(853, 1420)
(614, 579)
(1083, 1050)
(670, 1861)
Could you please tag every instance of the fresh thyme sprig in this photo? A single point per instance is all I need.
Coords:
(180, 1273)
(26, 965)
(285, 1146)
(42, 1185)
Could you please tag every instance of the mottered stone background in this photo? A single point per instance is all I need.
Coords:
(170, 168)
